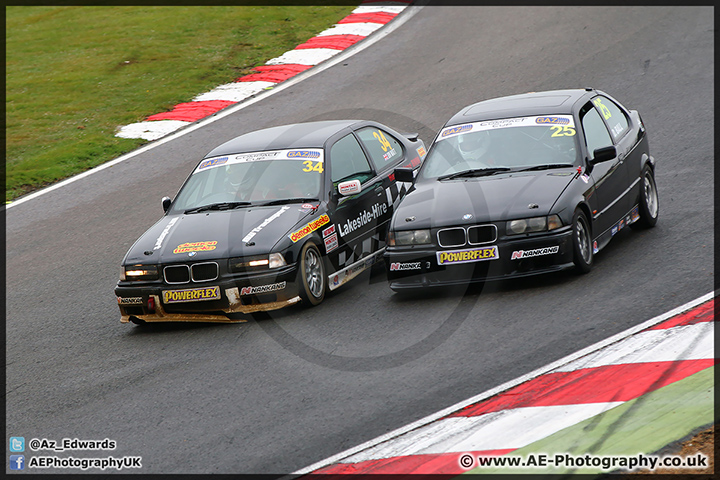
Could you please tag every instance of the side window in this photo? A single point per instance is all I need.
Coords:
(348, 162)
(384, 149)
(596, 134)
(613, 115)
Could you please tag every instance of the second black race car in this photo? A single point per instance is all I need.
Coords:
(522, 185)
(268, 219)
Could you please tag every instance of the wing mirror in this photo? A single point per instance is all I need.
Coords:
(166, 203)
(351, 187)
(603, 155)
(413, 137)
(404, 175)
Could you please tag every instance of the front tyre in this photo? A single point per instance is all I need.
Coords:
(649, 205)
(311, 275)
(582, 243)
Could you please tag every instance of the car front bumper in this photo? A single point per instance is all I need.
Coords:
(227, 299)
(419, 266)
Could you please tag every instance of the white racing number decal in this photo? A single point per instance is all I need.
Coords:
(264, 224)
(363, 219)
(166, 230)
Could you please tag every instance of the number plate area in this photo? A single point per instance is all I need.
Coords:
(191, 295)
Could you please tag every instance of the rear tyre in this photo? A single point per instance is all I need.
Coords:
(649, 205)
(582, 243)
(311, 275)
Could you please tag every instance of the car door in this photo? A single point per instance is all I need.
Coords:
(618, 123)
(610, 177)
(355, 218)
(385, 152)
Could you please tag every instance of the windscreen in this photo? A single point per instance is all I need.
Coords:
(256, 178)
(513, 143)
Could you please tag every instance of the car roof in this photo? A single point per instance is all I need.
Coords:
(297, 135)
(553, 102)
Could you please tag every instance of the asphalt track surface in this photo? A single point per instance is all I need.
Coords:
(288, 389)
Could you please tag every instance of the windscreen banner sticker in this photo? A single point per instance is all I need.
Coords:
(196, 247)
(467, 256)
(314, 154)
(262, 289)
(265, 223)
(309, 228)
(166, 230)
(191, 295)
(562, 125)
(212, 162)
(455, 130)
(520, 254)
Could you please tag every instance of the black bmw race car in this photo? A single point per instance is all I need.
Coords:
(269, 219)
(522, 185)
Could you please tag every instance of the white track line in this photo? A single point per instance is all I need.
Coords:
(385, 30)
(512, 383)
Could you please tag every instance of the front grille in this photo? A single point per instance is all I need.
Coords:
(451, 237)
(480, 234)
(204, 272)
(177, 274)
(459, 236)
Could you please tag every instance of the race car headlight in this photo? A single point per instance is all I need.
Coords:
(532, 225)
(139, 272)
(257, 262)
(409, 237)
(276, 260)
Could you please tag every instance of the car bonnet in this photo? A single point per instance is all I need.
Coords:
(217, 234)
(435, 203)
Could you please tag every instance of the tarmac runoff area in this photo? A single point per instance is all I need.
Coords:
(628, 396)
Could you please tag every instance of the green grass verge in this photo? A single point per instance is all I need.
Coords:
(76, 74)
(642, 425)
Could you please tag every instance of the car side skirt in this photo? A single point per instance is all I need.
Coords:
(343, 276)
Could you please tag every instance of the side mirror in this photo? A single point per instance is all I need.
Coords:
(404, 175)
(413, 137)
(166, 201)
(351, 187)
(603, 155)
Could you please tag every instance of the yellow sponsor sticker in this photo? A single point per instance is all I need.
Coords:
(309, 228)
(467, 256)
(191, 295)
(196, 247)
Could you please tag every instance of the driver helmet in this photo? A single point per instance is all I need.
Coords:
(474, 144)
